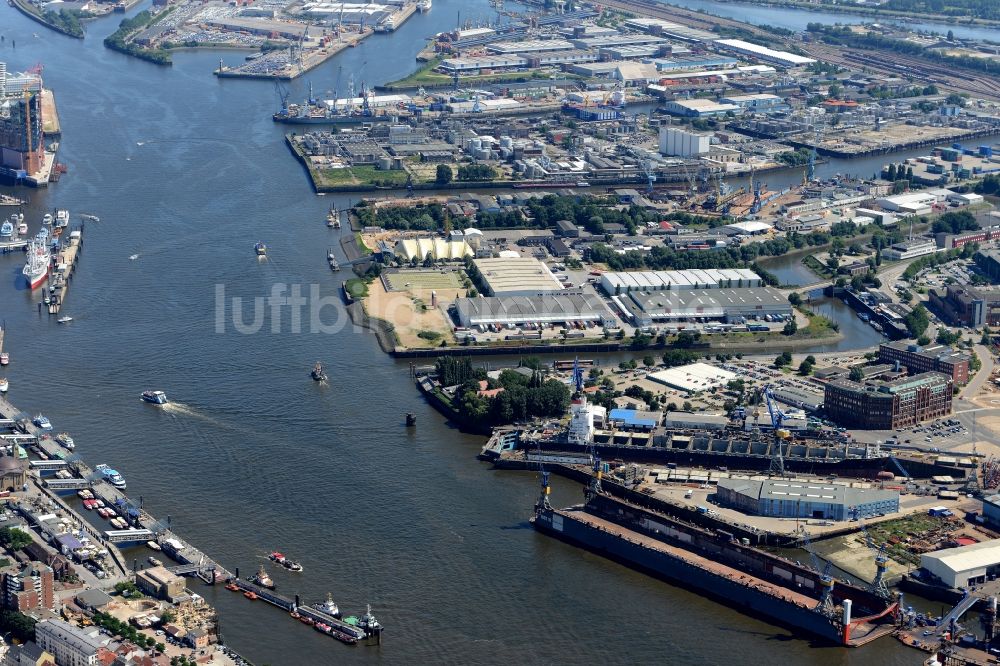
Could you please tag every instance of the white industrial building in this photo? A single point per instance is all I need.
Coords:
(515, 310)
(614, 283)
(965, 565)
(695, 421)
(698, 108)
(475, 64)
(681, 143)
(750, 227)
(646, 308)
(524, 276)
(783, 58)
(693, 377)
(910, 249)
(913, 203)
(529, 46)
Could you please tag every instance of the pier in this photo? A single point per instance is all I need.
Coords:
(64, 265)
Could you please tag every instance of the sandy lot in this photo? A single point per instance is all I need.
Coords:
(410, 312)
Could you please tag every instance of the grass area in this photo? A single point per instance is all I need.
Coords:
(430, 336)
(362, 248)
(364, 174)
(817, 267)
(425, 75)
(819, 326)
(357, 288)
(422, 280)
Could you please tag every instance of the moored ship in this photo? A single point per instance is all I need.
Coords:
(36, 267)
(112, 476)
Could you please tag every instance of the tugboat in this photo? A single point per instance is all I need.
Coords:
(155, 397)
(329, 606)
(318, 374)
(278, 558)
(261, 578)
(369, 624)
(260, 249)
(331, 259)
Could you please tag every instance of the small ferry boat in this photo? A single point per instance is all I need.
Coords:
(62, 218)
(22, 228)
(111, 476)
(4, 385)
(260, 249)
(42, 422)
(877, 326)
(47, 219)
(261, 578)
(4, 358)
(863, 316)
(90, 218)
(65, 441)
(155, 397)
(64, 320)
(6, 231)
(318, 374)
(331, 259)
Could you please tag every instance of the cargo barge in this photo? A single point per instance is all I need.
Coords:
(746, 578)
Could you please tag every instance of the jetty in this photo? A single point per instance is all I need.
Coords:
(64, 265)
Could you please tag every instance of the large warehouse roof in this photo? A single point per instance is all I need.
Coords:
(783, 57)
(708, 278)
(517, 277)
(693, 377)
(418, 248)
(806, 491)
(708, 303)
(523, 309)
(964, 558)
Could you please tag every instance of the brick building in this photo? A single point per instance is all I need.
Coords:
(968, 306)
(878, 405)
(29, 588)
(931, 358)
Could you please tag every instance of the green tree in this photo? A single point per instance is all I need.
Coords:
(917, 321)
(444, 174)
(790, 327)
(648, 361)
(13, 538)
(795, 299)
(856, 374)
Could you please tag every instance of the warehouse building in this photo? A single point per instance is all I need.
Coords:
(614, 283)
(699, 305)
(930, 358)
(698, 108)
(964, 566)
(695, 421)
(529, 46)
(633, 419)
(551, 309)
(805, 400)
(899, 403)
(755, 102)
(693, 377)
(474, 65)
(516, 276)
(787, 498)
(781, 58)
(418, 249)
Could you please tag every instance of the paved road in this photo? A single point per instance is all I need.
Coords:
(981, 377)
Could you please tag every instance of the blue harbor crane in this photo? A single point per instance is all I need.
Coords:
(777, 417)
(826, 581)
(577, 375)
(878, 585)
(282, 95)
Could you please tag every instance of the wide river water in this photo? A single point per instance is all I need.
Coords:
(186, 172)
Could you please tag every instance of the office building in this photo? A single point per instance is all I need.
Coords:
(160, 583)
(930, 358)
(910, 249)
(29, 588)
(877, 405)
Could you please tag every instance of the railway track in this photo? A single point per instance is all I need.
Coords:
(652, 9)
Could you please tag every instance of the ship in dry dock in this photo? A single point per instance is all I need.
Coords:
(749, 579)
